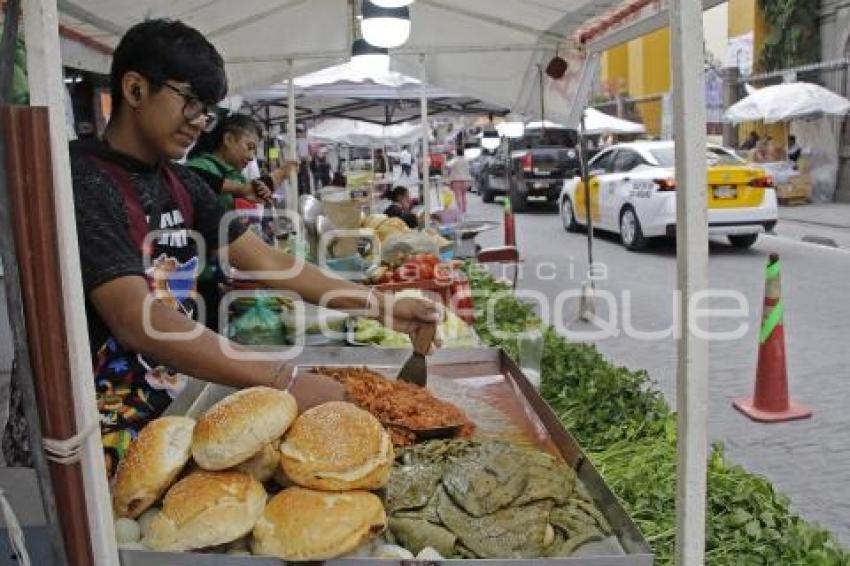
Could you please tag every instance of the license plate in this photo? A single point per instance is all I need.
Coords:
(542, 171)
(725, 192)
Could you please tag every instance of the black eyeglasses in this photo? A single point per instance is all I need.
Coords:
(194, 108)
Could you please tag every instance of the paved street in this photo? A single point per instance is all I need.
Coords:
(807, 460)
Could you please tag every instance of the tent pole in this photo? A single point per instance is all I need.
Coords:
(426, 166)
(292, 142)
(692, 261)
(44, 67)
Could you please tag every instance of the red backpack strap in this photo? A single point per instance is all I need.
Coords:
(179, 195)
(135, 212)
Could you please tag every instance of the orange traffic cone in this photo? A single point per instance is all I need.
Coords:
(771, 402)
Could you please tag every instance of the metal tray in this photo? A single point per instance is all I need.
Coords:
(490, 387)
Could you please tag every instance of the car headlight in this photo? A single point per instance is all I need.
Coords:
(571, 154)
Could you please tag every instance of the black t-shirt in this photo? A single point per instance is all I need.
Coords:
(107, 250)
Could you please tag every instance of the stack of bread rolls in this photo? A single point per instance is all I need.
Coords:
(200, 485)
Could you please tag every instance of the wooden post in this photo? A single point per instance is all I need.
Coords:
(692, 260)
(44, 67)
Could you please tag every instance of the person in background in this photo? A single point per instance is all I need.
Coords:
(381, 166)
(761, 153)
(304, 177)
(166, 79)
(401, 206)
(751, 142)
(220, 156)
(794, 151)
(406, 161)
(460, 179)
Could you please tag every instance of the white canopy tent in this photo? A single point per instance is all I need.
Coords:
(483, 48)
(344, 91)
(480, 48)
(353, 132)
(600, 123)
(595, 123)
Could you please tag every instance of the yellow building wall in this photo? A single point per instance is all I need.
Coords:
(640, 68)
(745, 16)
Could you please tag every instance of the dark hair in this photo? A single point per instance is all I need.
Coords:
(237, 124)
(398, 193)
(162, 50)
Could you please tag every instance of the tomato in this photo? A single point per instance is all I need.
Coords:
(426, 271)
(443, 272)
(408, 272)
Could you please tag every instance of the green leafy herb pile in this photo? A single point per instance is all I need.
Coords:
(629, 432)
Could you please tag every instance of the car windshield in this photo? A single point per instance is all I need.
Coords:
(666, 156)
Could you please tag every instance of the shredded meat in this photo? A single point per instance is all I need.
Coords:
(398, 402)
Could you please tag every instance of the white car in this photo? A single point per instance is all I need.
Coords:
(633, 193)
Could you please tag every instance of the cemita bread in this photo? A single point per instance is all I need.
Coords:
(303, 524)
(206, 509)
(337, 447)
(263, 465)
(153, 462)
(240, 425)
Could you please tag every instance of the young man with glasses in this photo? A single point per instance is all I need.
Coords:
(137, 212)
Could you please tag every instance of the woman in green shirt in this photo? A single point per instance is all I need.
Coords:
(221, 155)
(219, 158)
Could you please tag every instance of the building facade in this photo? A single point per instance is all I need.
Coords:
(835, 45)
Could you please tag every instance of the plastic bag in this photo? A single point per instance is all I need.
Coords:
(398, 246)
(259, 325)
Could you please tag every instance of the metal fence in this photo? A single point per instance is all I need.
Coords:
(832, 75)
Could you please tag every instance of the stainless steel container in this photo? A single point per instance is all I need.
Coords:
(490, 387)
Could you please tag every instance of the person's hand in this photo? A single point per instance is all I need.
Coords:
(261, 191)
(313, 389)
(412, 316)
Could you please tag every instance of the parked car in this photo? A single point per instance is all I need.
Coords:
(633, 194)
(534, 165)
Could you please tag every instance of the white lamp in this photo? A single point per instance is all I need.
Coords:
(369, 60)
(385, 27)
(392, 3)
(490, 140)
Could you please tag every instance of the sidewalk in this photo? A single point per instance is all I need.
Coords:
(825, 224)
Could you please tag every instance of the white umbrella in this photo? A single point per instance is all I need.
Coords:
(785, 102)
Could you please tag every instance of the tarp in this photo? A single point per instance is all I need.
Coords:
(599, 123)
(596, 123)
(353, 132)
(786, 102)
(478, 48)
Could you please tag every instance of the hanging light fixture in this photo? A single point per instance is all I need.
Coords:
(392, 3)
(385, 27)
(368, 59)
(490, 140)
